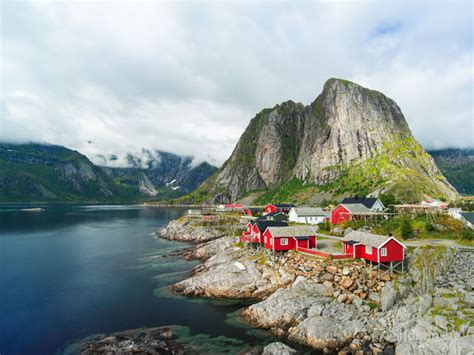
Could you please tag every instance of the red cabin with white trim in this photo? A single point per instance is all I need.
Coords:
(289, 238)
(343, 212)
(373, 247)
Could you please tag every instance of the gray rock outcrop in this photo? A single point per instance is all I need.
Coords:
(277, 348)
(183, 230)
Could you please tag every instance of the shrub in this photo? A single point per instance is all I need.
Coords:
(429, 227)
(406, 229)
(388, 199)
(326, 226)
(467, 234)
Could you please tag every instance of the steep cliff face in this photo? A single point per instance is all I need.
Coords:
(349, 140)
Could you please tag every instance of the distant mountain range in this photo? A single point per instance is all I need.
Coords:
(161, 173)
(50, 173)
(458, 167)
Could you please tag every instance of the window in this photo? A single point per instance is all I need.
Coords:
(271, 241)
(383, 252)
(368, 249)
(284, 241)
(265, 239)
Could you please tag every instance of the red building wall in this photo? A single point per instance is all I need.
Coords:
(249, 227)
(360, 252)
(348, 248)
(273, 208)
(340, 214)
(309, 243)
(270, 209)
(395, 252)
(258, 232)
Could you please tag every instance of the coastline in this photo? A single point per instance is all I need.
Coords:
(321, 305)
(314, 304)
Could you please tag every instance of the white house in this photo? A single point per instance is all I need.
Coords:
(455, 213)
(307, 215)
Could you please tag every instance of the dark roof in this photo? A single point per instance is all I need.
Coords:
(282, 205)
(469, 216)
(350, 242)
(367, 202)
(263, 225)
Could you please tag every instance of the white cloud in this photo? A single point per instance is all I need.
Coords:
(188, 76)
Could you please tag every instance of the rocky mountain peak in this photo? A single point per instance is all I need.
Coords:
(347, 131)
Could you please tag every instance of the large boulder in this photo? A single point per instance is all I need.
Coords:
(277, 348)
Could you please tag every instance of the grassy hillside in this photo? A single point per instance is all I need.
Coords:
(47, 173)
(458, 167)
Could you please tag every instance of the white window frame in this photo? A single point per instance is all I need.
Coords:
(368, 249)
(383, 252)
(283, 241)
(265, 239)
(271, 241)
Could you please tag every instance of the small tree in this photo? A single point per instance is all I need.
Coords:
(429, 227)
(388, 200)
(325, 226)
(407, 230)
(467, 234)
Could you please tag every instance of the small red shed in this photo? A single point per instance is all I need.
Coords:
(343, 212)
(279, 207)
(289, 238)
(250, 211)
(373, 247)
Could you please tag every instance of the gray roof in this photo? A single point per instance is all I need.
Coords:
(366, 238)
(356, 207)
(368, 202)
(310, 211)
(294, 231)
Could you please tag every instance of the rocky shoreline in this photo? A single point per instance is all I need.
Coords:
(344, 307)
(158, 340)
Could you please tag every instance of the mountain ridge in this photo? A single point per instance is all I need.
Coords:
(34, 172)
(349, 140)
(457, 165)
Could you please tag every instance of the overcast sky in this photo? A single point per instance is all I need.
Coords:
(186, 77)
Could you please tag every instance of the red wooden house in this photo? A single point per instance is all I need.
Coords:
(250, 211)
(373, 247)
(279, 207)
(343, 212)
(289, 238)
(255, 229)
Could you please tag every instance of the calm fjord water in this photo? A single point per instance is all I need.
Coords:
(74, 271)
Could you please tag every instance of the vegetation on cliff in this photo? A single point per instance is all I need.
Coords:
(458, 167)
